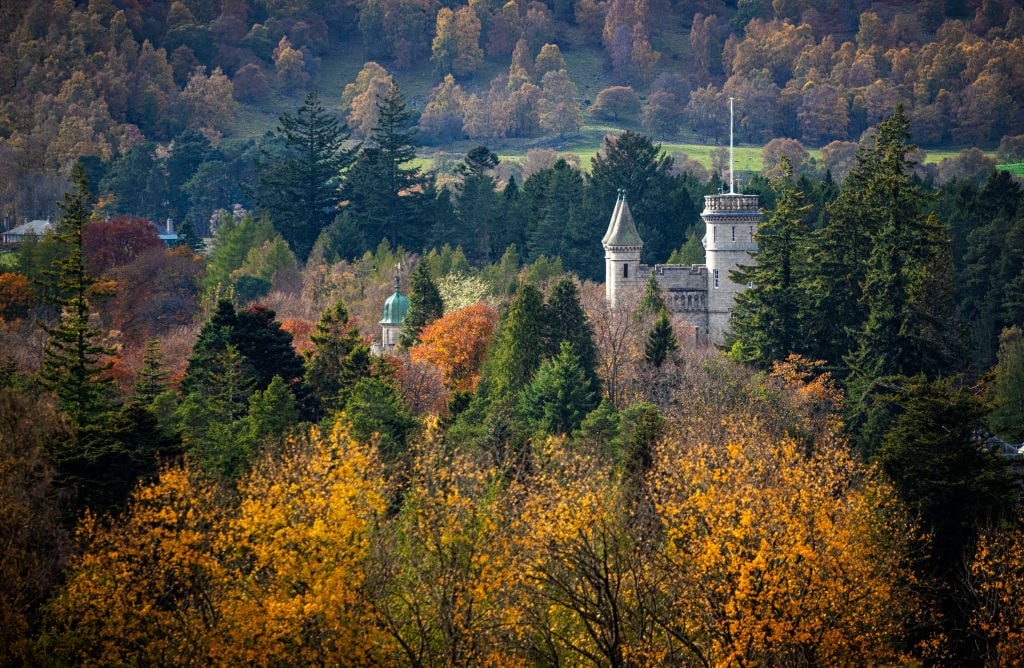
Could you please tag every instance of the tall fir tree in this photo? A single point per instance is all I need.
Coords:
(334, 341)
(75, 361)
(477, 205)
(565, 321)
(425, 305)
(298, 185)
(661, 341)
(560, 395)
(387, 196)
(519, 339)
(767, 323)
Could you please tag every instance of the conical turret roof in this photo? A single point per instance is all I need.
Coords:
(621, 228)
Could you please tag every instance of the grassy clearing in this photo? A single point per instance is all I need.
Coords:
(1017, 169)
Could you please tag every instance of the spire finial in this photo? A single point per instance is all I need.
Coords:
(398, 267)
(732, 169)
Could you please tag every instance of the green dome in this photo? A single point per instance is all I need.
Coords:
(395, 309)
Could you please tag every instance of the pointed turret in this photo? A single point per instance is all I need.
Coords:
(622, 246)
(621, 227)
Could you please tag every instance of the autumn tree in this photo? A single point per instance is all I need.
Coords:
(615, 103)
(298, 185)
(456, 45)
(457, 343)
(442, 117)
(559, 108)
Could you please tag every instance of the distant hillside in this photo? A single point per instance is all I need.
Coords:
(96, 81)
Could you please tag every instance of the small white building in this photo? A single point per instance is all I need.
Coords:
(16, 235)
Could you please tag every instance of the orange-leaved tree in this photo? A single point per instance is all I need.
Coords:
(456, 343)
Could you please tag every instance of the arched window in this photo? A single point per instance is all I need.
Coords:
(625, 270)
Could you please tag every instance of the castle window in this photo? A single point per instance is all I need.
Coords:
(625, 270)
(714, 233)
(751, 233)
(716, 279)
(734, 233)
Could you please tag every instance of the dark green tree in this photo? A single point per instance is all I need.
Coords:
(767, 323)
(661, 207)
(387, 196)
(95, 466)
(652, 301)
(334, 341)
(518, 341)
(951, 485)
(151, 381)
(272, 412)
(1007, 418)
(477, 205)
(661, 341)
(565, 321)
(425, 305)
(877, 193)
(375, 410)
(298, 184)
(212, 415)
(556, 221)
(75, 361)
(560, 394)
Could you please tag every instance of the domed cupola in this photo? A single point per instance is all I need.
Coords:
(395, 309)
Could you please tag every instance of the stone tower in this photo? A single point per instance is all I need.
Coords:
(622, 246)
(731, 221)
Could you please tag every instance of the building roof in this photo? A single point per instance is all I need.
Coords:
(395, 308)
(621, 227)
(36, 227)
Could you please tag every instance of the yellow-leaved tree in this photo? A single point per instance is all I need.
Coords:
(296, 552)
(774, 555)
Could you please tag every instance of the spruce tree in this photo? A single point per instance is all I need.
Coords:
(75, 361)
(151, 380)
(334, 341)
(566, 321)
(518, 344)
(661, 341)
(387, 198)
(298, 185)
(767, 323)
(425, 305)
(652, 301)
(477, 205)
(560, 395)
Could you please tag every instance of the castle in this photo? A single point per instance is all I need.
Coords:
(700, 293)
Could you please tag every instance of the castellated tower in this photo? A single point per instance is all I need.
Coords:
(731, 221)
(622, 246)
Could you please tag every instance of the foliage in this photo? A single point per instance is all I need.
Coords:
(425, 305)
(298, 185)
(457, 343)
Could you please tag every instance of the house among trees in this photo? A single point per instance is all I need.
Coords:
(17, 234)
(701, 293)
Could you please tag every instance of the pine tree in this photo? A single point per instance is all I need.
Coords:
(560, 394)
(298, 186)
(652, 301)
(565, 321)
(334, 340)
(425, 305)
(767, 323)
(1007, 418)
(388, 198)
(75, 361)
(152, 377)
(661, 341)
(477, 205)
(518, 342)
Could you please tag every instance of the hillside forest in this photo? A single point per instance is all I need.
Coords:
(208, 458)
